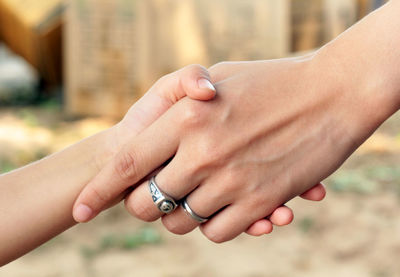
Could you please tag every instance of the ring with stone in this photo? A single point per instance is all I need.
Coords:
(165, 203)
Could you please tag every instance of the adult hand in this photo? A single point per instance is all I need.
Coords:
(207, 172)
(160, 141)
(193, 81)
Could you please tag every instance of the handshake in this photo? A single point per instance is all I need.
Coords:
(222, 149)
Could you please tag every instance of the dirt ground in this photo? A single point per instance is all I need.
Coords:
(354, 232)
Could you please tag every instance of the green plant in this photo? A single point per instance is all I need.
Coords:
(130, 241)
(306, 224)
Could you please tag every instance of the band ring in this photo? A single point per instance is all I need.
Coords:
(190, 212)
(165, 203)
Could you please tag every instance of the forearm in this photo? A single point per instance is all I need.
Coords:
(36, 201)
(363, 65)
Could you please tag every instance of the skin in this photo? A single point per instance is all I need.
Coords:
(274, 129)
(36, 200)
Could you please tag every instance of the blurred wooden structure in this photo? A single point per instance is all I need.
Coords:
(315, 22)
(33, 29)
(366, 6)
(115, 50)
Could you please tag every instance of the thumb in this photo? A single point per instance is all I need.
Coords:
(142, 155)
(193, 81)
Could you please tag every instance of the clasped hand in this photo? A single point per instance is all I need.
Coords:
(236, 155)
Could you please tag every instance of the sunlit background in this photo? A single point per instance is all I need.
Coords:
(69, 69)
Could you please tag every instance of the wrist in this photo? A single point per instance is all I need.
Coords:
(107, 145)
(362, 70)
(111, 141)
(359, 104)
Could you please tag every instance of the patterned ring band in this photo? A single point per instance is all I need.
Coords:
(165, 203)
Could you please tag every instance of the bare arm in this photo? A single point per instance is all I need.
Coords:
(36, 200)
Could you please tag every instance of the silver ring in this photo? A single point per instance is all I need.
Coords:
(190, 212)
(165, 203)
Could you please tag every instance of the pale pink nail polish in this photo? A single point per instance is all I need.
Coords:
(206, 84)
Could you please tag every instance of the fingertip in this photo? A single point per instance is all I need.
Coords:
(282, 216)
(322, 192)
(206, 90)
(322, 187)
(205, 84)
(82, 213)
(195, 83)
(259, 228)
(316, 193)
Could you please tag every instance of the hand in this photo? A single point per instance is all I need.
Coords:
(266, 137)
(124, 172)
(192, 81)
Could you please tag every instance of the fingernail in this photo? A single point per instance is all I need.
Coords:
(206, 84)
(82, 213)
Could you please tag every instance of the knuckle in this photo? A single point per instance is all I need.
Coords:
(193, 170)
(209, 154)
(194, 68)
(98, 197)
(163, 80)
(192, 114)
(232, 178)
(231, 185)
(218, 67)
(259, 204)
(125, 166)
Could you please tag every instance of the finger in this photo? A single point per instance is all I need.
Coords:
(179, 222)
(205, 206)
(316, 193)
(228, 224)
(260, 227)
(282, 216)
(192, 81)
(140, 204)
(177, 180)
(195, 83)
(142, 155)
(210, 198)
(205, 201)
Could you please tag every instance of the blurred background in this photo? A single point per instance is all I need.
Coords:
(70, 68)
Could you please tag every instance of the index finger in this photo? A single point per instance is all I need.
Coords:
(143, 154)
